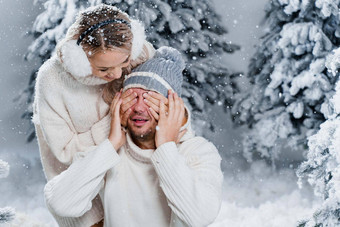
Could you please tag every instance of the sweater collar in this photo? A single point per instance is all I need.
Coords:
(140, 155)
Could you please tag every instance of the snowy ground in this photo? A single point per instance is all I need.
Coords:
(260, 196)
(255, 195)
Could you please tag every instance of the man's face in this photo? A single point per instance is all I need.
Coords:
(141, 124)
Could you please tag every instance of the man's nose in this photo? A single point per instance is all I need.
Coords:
(140, 105)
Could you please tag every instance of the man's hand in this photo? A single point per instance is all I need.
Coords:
(117, 135)
(169, 122)
(128, 100)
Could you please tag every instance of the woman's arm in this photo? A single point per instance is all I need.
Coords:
(70, 194)
(61, 136)
(56, 125)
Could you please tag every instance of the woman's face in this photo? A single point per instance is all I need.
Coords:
(108, 64)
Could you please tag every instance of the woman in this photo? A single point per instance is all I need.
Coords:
(70, 113)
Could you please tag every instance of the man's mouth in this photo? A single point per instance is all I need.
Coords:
(139, 121)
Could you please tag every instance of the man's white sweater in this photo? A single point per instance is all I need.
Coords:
(174, 185)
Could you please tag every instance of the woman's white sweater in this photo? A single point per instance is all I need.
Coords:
(70, 116)
(174, 185)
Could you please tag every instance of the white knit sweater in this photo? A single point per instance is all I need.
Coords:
(170, 186)
(70, 116)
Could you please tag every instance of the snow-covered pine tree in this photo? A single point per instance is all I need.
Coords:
(7, 214)
(322, 167)
(191, 26)
(289, 83)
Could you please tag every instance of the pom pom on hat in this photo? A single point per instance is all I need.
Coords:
(171, 56)
(160, 73)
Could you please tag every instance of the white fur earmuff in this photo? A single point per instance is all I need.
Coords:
(74, 59)
(76, 62)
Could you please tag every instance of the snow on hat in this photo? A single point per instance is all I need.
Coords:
(160, 73)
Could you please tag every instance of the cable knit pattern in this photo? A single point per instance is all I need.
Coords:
(178, 185)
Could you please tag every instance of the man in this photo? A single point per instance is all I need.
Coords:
(158, 173)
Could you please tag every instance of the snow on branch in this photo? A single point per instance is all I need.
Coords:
(322, 167)
(4, 169)
(7, 215)
(289, 71)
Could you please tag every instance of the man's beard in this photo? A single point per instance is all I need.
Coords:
(142, 137)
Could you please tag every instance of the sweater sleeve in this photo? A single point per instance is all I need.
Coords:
(191, 180)
(70, 194)
(91, 217)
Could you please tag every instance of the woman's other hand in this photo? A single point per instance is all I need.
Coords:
(129, 98)
(170, 121)
(117, 133)
(153, 99)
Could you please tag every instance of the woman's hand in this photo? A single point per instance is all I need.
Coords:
(117, 135)
(153, 99)
(169, 122)
(128, 100)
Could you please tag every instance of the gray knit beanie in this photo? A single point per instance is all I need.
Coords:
(160, 73)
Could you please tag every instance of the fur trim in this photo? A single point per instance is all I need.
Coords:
(74, 59)
(76, 62)
(36, 119)
(138, 33)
